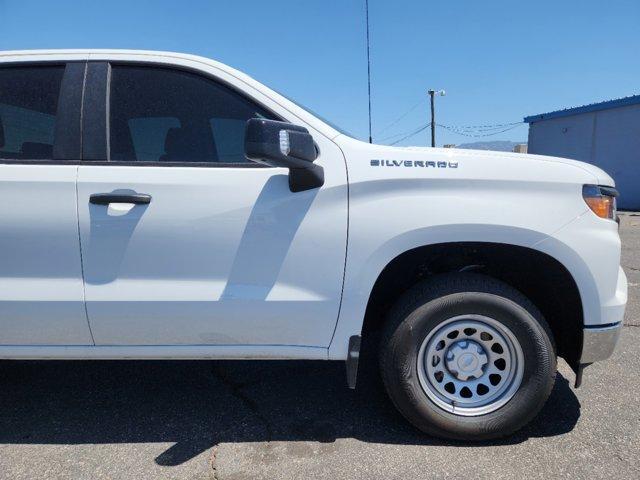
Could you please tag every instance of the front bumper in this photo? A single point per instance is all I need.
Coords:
(599, 342)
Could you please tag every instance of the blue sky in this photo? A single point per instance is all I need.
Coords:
(498, 60)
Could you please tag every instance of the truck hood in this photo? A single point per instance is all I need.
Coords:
(369, 162)
(602, 177)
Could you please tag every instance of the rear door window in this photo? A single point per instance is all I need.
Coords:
(28, 108)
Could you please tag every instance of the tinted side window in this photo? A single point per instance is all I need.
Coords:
(28, 106)
(166, 115)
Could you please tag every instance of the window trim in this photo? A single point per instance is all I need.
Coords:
(96, 144)
(68, 128)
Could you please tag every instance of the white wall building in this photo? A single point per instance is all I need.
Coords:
(605, 134)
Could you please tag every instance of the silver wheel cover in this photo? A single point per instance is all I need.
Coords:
(470, 365)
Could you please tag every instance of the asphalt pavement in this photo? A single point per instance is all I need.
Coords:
(292, 420)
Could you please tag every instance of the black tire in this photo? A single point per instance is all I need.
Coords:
(427, 305)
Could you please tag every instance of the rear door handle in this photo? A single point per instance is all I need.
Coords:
(107, 198)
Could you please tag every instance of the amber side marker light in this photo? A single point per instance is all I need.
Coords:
(601, 200)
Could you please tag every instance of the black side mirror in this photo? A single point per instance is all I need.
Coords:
(281, 144)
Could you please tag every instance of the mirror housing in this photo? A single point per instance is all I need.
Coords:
(282, 144)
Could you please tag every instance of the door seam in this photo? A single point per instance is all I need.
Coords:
(84, 289)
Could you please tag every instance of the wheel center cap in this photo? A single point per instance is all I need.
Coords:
(468, 362)
(465, 360)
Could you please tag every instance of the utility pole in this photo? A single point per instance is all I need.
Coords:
(432, 94)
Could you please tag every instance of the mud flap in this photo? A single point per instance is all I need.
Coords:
(352, 361)
(578, 369)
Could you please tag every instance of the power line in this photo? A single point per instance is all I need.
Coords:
(483, 131)
(396, 135)
(489, 126)
(415, 132)
(400, 117)
(486, 129)
(464, 129)
(467, 134)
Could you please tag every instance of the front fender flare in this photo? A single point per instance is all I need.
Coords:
(361, 273)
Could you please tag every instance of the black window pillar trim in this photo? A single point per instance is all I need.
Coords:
(68, 127)
(95, 113)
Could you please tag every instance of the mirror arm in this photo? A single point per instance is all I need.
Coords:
(301, 179)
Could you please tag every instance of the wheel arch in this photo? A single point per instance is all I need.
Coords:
(386, 275)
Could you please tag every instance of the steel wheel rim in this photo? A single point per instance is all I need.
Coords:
(470, 365)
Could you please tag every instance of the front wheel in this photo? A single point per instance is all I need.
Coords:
(465, 356)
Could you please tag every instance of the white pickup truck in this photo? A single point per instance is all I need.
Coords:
(158, 205)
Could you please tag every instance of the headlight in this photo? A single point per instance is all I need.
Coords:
(601, 200)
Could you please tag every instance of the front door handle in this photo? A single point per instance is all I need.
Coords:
(107, 198)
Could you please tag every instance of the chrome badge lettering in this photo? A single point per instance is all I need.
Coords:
(413, 163)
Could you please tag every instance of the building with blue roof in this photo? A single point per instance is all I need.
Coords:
(606, 134)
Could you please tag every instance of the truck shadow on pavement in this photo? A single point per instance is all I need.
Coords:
(200, 404)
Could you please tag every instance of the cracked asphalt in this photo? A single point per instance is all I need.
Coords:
(290, 420)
